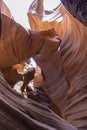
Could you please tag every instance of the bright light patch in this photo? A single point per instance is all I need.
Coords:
(60, 19)
(33, 62)
(51, 4)
(19, 9)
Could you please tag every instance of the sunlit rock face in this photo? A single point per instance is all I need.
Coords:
(4, 9)
(65, 71)
(44, 20)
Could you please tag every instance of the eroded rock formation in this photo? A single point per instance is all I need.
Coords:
(65, 71)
